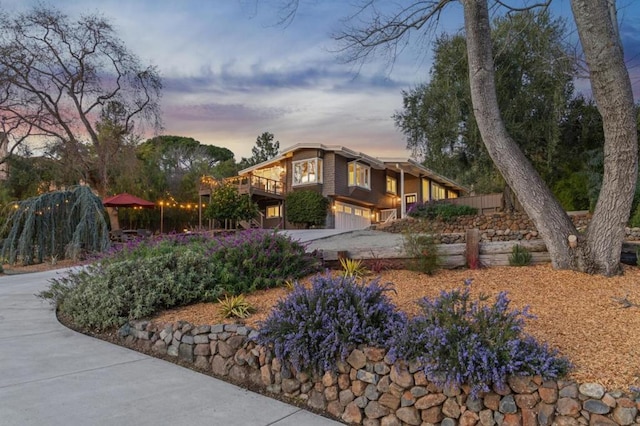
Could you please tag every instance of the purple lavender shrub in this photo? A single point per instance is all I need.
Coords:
(311, 329)
(460, 341)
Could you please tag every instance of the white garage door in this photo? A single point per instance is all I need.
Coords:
(349, 216)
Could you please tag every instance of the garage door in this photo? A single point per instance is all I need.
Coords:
(349, 216)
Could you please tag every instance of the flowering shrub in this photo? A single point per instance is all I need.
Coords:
(143, 277)
(460, 341)
(259, 259)
(314, 328)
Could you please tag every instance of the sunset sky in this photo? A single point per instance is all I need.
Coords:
(230, 72)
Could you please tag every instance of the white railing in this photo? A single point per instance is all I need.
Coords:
(388, 215)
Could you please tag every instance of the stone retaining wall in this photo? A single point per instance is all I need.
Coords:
(493, 227)
(367, 389)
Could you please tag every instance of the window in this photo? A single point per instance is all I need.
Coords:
(411, 198)
(274, 211)
(359, 175)
(426, 190)
(452, 194)
(438, 192)
(307, 171)
(392, 185)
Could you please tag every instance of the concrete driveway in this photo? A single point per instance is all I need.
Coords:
(50, 375)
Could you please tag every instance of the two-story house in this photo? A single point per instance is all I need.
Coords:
(362, 189)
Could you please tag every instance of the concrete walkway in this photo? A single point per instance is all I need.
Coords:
(50, 375)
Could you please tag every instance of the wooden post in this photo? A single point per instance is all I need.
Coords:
(472, 251)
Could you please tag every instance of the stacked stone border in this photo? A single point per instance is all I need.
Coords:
(368, 389)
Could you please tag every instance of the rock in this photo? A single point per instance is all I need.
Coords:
(625, 413)
(512, 419)
(392, 420)
(486, 418)
(290, 385)
(474, 404)
(609, 400)
(381, 368)
(469, 418)
(374, 410)
(329, 379)
(317, 401)
(335, 409)
(371, 392)
(568, 407)
(592, 390)
(238, 373)
(570, 391)
(522, 384)
(343, 381)
(352, 414)
(448, 422)
(407, 399)
(367, 377)
(346, 396)
(492, 401)
(331, 393)
(418, 391)
(548, 395)
(361, 401)
(432, 415)
(266, 375)
(508, 405)
(384, 384)
(450, 408)
(595, 406)
(225, 350)
(202, 350)
(600, 420)
(201, 339)
(529, 417)
(202, 363)
(545, 414)
(357, 359)
(401, 376)
(185, 352)
(429, 401)
(172, 350)
(565, 421)
(358, 387)
(374, 354)
(389, 400)
(526, 400)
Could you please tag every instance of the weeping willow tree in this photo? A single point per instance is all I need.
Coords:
(55, 225)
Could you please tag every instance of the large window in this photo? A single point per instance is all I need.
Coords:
(274, 211)
(307, 171)
(359, 175)
(438, 192)
(392, 185)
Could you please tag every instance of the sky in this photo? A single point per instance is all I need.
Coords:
(230, 71)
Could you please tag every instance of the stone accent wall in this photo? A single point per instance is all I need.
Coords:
(493, 227)
(369, 390)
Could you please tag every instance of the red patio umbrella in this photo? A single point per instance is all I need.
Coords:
(127, 200)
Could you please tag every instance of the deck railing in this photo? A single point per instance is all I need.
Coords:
(247, 184)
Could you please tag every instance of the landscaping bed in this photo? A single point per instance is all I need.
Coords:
(592, 320)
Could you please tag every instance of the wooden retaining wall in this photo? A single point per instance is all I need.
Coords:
(454, 255)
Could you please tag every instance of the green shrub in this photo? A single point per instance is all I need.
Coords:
(258, 259)
(634, 222)
(519, 256)
(440, 210)
(306, 207)
(422, 251)
(462, 341)
(145, 277)
(313, 328)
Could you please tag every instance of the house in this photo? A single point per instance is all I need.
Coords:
(362, 189)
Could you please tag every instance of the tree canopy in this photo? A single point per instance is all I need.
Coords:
(73, 83)
(264, 149)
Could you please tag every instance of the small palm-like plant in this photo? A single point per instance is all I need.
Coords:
(235, 307)
(520, 256)
(353, 268)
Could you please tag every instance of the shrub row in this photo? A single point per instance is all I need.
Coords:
(440, 210)
(457, 340)
(141, 278)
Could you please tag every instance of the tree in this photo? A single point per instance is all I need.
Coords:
(75, 84)
(55, 225)
(174, 165)
(598, 250)
(227, 205)
(306, 207)
(534, 82)
(265, 149)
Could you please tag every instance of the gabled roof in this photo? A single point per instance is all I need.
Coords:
(406, 164)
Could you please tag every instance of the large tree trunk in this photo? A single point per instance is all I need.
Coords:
(598, 31)
(537, 200)
(599, 252)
